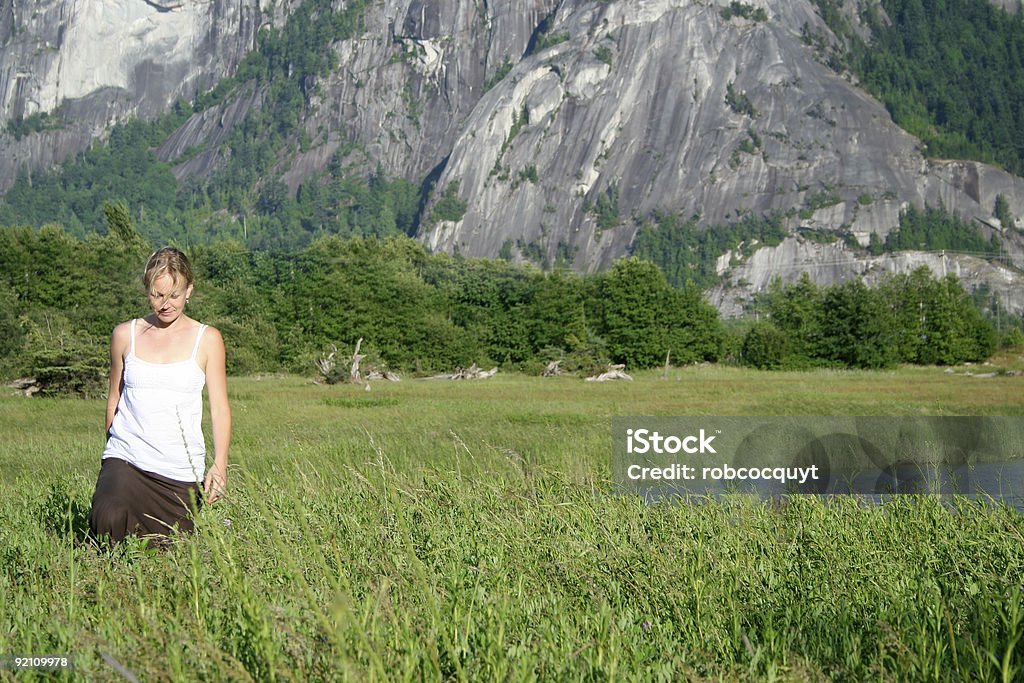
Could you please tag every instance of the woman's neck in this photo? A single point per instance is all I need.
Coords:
(178, 323)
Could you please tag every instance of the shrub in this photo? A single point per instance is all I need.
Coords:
(765, 347)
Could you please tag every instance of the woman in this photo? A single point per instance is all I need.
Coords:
(155, 454)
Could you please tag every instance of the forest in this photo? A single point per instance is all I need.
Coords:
(420, 313)
(950, 72)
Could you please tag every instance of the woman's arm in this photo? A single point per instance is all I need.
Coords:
(220, 413)
(118, 347)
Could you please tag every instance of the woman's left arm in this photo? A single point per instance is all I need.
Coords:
(220, 414)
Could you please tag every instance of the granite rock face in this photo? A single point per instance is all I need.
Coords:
(666, 104)
(563, 124)
(91, 63)
(745, 276)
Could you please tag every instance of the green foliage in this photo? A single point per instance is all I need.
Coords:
(1001, 210)
(95, 283)
(125, 168)
(543, 37)
(60, 297)
(606, 208)
(935, 229)
(913, 318)
(738, 101)
(449, 207)
(522, 118)
(120, 226)
(857, 329)
(20, 126)
(555, 314)
(1014, 338)
(822, 199)
(765, 347)
(938, 322)
(876, 247)
(742, 9)
(819, 235)
(752, 143)
(604, 54)
(643, 318)
(499, 74)
(688, 254)
(530, 174)
(505, 253)
(796, 312)
(65, 360)
(949, 72)
(12, 334)
(534, 253)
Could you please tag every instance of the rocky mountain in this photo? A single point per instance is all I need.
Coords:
(559, 125)
(88, 64)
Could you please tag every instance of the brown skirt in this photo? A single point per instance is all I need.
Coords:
(130, 501)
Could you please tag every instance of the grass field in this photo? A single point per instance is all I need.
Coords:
(469, 531)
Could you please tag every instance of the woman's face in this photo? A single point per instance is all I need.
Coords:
(167, 298)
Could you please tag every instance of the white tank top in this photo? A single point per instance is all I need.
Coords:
(158, 423)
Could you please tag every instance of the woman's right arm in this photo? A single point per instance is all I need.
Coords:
(119, 341)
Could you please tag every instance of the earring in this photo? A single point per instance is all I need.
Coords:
(187, 299)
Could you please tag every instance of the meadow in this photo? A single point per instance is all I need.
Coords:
(470, 531)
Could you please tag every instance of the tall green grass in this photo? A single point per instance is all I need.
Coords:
(469, 531)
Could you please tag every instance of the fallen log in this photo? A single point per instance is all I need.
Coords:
(614, 372)
(27, 385)
(375, 374)
(553, 369)
(472, 372)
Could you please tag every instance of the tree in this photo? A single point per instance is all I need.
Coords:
(1001, 211)
(797, 310)
(120, 225)
(857, 330)
(765, 346)
(643, 317)
(555, 315)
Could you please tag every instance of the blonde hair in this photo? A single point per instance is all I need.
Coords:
(169, 260)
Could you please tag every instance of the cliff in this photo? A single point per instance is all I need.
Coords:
(561, 124)
(88, 64)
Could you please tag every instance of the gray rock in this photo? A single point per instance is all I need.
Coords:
(95, 62)
(648, 104)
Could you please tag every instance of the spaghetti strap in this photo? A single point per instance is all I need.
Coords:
(131, 349)
(195, 349)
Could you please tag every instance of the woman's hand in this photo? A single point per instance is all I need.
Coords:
(216, 482)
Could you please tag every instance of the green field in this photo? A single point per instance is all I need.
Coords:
(469, 531)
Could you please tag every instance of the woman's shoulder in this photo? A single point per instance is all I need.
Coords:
(120, 338)
(211, 349)
(211, 335)
(122, 330)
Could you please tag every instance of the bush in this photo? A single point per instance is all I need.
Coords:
(1012, 338)
(765, 347)
(66, 361)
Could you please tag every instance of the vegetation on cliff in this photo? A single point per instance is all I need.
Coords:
(949, 72)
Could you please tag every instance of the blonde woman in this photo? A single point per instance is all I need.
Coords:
(155, 455)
